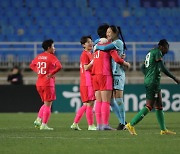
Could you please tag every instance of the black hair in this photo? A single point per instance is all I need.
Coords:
(84, 39)
(163, 42)
(117, 29)
(101, 31)
(16, 67)
(47, 43)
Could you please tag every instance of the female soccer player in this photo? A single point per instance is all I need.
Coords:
(102, 81)
(46, 65)
(151, 68)
(118, 72)
(86, 89)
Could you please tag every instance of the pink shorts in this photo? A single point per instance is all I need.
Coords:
(102, 82)
(87, 93)
(46, 93)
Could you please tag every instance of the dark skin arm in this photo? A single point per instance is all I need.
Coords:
(166, 71)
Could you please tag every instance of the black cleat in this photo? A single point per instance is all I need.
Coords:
(121, 127)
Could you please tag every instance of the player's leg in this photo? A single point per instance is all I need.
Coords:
(82, 109)
(106, 94)
(38, 121)
(46, 115)
(89, 115)
(160, 116)
(98, 104)
(98, 109)
(150, 99)
(115, 108)
(120, 103)
(49, 95)
(78, 117)
(105, 110)
(142, 113)
(89, 110)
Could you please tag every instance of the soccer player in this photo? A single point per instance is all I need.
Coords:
(152, 67)
(103, 82)
(46, 65)
(118, 72)
(86, 89)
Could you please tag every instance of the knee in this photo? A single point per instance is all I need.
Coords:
(149, 107)
(158, 107)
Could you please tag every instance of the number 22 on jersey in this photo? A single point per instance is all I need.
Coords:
(41, 67)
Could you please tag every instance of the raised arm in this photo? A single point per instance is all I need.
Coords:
(105, 47)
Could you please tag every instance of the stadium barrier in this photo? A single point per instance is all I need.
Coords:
(26, 99)
(21, 54)
(15, 98)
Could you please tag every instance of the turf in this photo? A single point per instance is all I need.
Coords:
(18, 135)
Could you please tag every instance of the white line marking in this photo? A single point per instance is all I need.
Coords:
(65, 138)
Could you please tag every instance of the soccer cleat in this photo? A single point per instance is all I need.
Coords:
(75, 126)
(131, 129)
(121, 127)
(45, 127)
(92, 127)
(37, 123)
(99, 127)
(107, 127)
(167, 132)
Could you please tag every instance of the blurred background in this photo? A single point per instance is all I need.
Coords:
(24, 24)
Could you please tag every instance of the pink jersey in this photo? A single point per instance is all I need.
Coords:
(102, 62)
(45, 64)
(85, 75)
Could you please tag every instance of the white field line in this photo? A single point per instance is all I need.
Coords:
(64, 138)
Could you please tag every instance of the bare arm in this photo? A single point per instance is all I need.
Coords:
(166, 71)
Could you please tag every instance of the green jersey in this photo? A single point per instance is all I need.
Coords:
(152, 68)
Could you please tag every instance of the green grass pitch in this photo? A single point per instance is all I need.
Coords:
(18, 135)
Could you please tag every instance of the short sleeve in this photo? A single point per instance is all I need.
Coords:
(158, 55)
(54, 60)
(85, 59)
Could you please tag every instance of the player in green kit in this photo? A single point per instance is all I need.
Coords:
(152, 67)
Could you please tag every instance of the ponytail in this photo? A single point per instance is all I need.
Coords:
(120, 32)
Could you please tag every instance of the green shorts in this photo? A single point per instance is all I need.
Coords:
(152, 90)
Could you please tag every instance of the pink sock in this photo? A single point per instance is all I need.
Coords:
(89, 115)
(46, 114)
(105, 111)
(40, 113)
(80, 114)
(98, 112)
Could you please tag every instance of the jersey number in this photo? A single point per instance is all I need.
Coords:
(147, 59)
(41, 67)
(97, 53)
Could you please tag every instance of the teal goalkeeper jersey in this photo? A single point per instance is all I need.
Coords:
(152, 68)
(116, 68)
